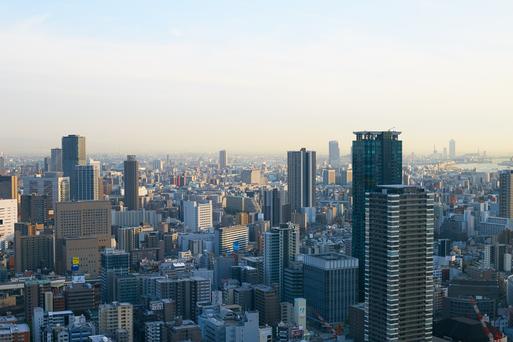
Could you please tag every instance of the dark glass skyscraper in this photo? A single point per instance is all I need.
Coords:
(73, 153)
(377, 160)
(301, 168)
(131, 179)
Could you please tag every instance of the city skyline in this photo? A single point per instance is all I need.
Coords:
(313, 70)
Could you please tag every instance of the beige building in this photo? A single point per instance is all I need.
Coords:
(115, 320)
(82, 230)
(8, 217)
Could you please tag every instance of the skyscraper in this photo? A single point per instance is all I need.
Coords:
(506, 194)
(131, 180)
(334, 153)
(330, 285)
(452, 149)
(8, 187)
(85, 182)
(399, 267)
(73, 153)
(223, 159)
(301, 167)
(377, 159)
(275, 208)
(231, 239)
(281, 246)
(113, 263)
(56, 160)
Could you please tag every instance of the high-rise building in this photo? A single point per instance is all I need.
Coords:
(82, 229)
(115, 320)
(8, 187)
(506, 194)
(399, 267)
(223, 159)
(8, 217)
(452, 149)
(281, 246)
(233, 239)
(377, 159)
(197, 215)
(301, 167)
(131, 180)
(330, 286)
(267, 303)
(33, 252)
(334, 154)
(187, 293)
(276, 208)
(34, 208)
(113, 263)
(56, 160)
(329, 176)
(85, 182)
(52, 185)
(73, 153)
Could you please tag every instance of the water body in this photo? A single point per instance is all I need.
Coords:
(485, 167)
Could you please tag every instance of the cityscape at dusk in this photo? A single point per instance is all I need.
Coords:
(236, 171)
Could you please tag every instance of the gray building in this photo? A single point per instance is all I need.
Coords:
(506, 194)
(73, 153)
(281, 246)
(399, 268)
(334, 153)
(85, 182)
(113, 263)
(330, 286)
(131, 180)
(301, 172)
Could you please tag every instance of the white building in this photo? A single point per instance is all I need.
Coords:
(8, 217)
(197, 215)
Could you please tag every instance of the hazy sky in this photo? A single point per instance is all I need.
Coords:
(255, 76)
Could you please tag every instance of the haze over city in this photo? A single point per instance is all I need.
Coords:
(260, 77)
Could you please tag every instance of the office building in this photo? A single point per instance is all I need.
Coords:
(85, 182)
(281, 246)
(52, 185)
(334, 154)
(8, 187)
(506, 194)
(276, 208)
(82, 229)
(233, 239)
(34, 296)
(301, 173)
(80, 297)
(330, 286)
(82, 219)
(292, 282)
(34, 251)
(399, 268)
(116, 320)
(223, 159)
(131, 180)
(377, 160)
(452, 149)
(187, 293)
(34, 209)
(197, 215)
(73, 153)
(329, 176)
(267, 303)
(251, 176)
(8, 217)
(55, 160)
(113, 263)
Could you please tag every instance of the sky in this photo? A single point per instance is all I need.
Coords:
(255, 76)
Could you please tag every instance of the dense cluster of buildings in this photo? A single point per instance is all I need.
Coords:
(370, 246)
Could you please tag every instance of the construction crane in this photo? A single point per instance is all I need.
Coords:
(492, 337)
